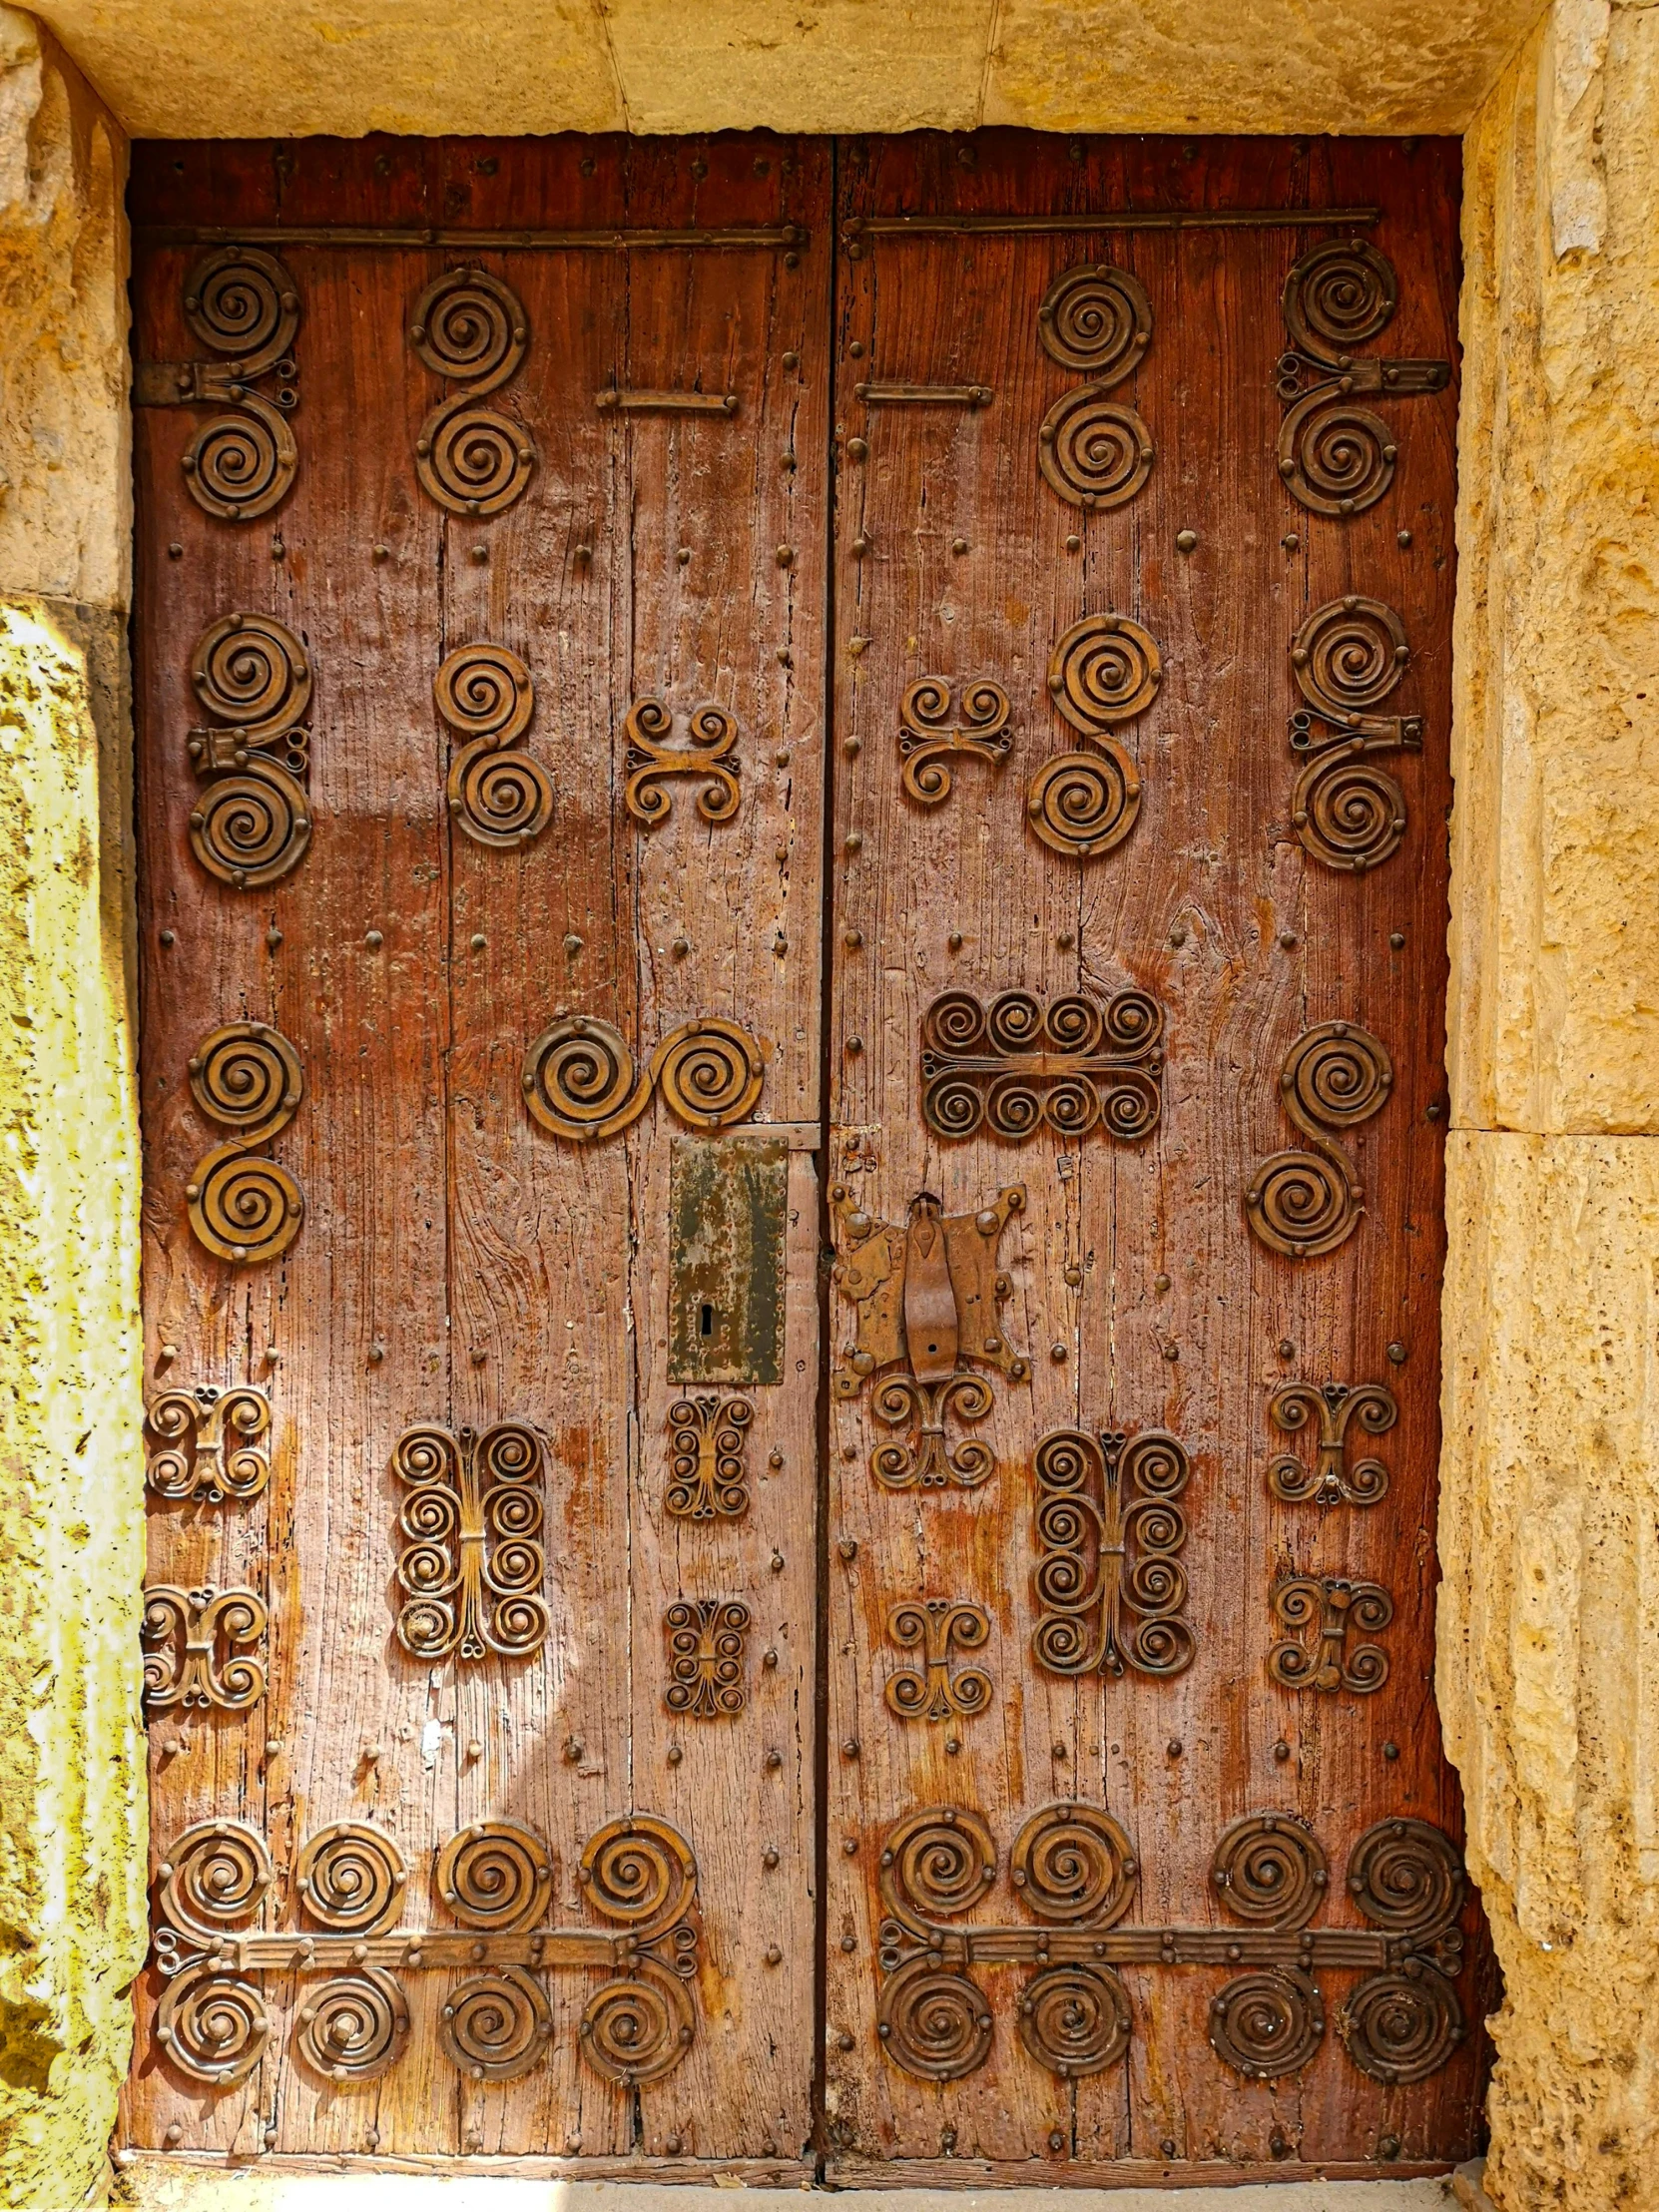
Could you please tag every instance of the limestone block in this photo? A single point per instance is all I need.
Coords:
(1554, 1013)
(72, 1798)
(66, 520)
(1259, 65)
(1549, 1643)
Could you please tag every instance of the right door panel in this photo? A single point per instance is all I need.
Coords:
(1143, 1848)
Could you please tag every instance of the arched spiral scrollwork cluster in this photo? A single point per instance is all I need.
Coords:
(207, 1444)
(1075, 1872)
(1104, 671)
(706, 1643)
(253, 822)
(1347, 656)
(1109, 1585)
(650, 762)
(580, 1079)
(356, 1958)
(242, 304)
(470, 328)
(1095, 452)
(248, 1079)
(472, 1562)
(1016, 1065)
(497, 795)
(1334, 458)
(1336, 1407)
(707, 1479)
(198, 1648)
(1304, 1203)
(1338, 1612)
(936, 728)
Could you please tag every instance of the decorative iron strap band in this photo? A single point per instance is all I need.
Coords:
(1348, 656)
(935, 1628)
(247, 1077)
(708, 1478)
(924, 395)
(472, 1561)
(251, 823)
(206, 1445)
(620, 399)
(1015, 1065)
(581, 1082)
(649, 761)
(929, 1294)
(470, 328)
(194, 1651)
(1334, 1607)
(1308, 1202)
(1337, 459)
(495, 1879)
(860, 229)
(613, 239)
(1074, 1871)
(498, 796)
(706, 1640)
(1105, 671)
(1336, 1407)
(242, 304)
(1109, 1583)
(933, 728)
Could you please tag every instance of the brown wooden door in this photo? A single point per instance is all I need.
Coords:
(696, 1615)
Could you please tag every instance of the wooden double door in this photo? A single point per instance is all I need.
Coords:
(792, 823)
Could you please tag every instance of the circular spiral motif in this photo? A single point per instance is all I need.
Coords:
(499, 799)
(1062, 1642)
(1014, 1107)
(1093, 452)
(577, 1075)
(241, 1209)
(1158, 1463)
(1074, 1023)
(934, 2025)
(1075, 2019)
(217, 1875)
(470, 328)
(1103, 671)
(1134, 1022)
(954, 1105)
(483, 691)
(1348, 654)
(241, 302)
(1402, 2026)
(495, 2026)
(1300, 1204)
(212, 2025)
(1164, 1645)
(1084, 804)
(937, 1862)
(1066, 1460)
(247, 1077)
(1406, 1876)
(955, 1023)
(1267, 2024)
(1336, 1075)
(1269, 1871)
(1348, 813)
(1335, 458)
(1343, 291)
(472, 460)
(1098, 320)
(254, 672)
(1015, 1022)
(1074, 1862)
(426, 1625)
(709, 1072)
(251, 828)
(353, 2026)
(1132, 1106)
(633, 1872)
(350, 1877)
(424, 1455)
(638, 2027)
(239, 466)
(496, 1875)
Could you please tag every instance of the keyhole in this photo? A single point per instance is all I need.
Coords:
(706, 1320)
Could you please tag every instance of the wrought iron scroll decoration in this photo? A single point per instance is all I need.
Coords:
(1095, 452)
(1108, 1534)
(1308, 1202)
(1348, 657)
(581, 1082)
(1104, 671)
(243, 306)
(707, 1479)
(470, 328)
(1336, 1609)
(207, 1444)
(247, 1077)
(251, 822)
(498, 795)
(929, 1299)
(1338, 458)
(196, 1648)
(473, 1561)
(1336, 1407)
(705, 1642)
(1074, 1871)
(935, 729)
(494, 1880)
(1015, 1065)
(935, 1628)
(650, 762)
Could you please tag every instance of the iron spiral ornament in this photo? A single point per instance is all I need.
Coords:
(1266, 2025)
(1269, 1871)
(247, 1077)
(350, 1877)
(470, 328)
(932, 2023)
(242, 303)
(1075, 2019)
(1104, 671)
(1402, 2025)
(1094, 452)
(212, 2026)
(635, 1870)
(1331, 1412)
(496, 1875)
(1011, 1066)
(1098, 320)
(637, 2027)
(251, 822)
(1084, 804)
(1074, 1862)
(207, 1444)
(652, 762)
(581, 1082)
(354, 2026)
(1109, 1586)
(495, 793)
(937, 730)
(1406, 1875)
(1348, 657)
(496, 2027)
(217, 1875)
(472, 1562)
(1306, 1203)
(937, 1862)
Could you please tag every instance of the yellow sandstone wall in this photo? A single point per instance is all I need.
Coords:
(1550, 1616)
(71, 1811)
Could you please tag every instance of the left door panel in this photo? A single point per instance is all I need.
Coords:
(480, 701)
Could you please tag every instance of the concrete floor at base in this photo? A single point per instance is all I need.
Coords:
(157, 2184)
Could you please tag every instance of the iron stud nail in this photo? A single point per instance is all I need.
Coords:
(1185, 540)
